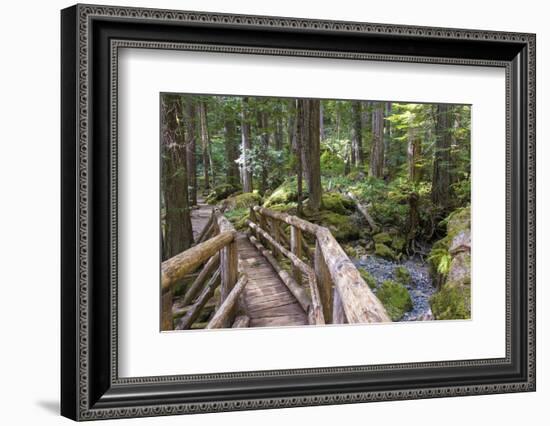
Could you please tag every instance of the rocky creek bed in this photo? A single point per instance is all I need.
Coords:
(420, 289)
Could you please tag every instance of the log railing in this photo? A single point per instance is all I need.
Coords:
(217, 251)
(337, 292)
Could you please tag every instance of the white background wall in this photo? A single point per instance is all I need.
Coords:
(29, 211)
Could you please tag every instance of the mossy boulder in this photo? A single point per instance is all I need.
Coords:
(337, 203)
(382, 238)
(221, 192)
(238, 217)
(342, 227)
(451, 303)
(285, 193)
(242, 201)
(450, 264)
(367, 276)
(382, 250)
(398, 242)
(395, 298)
(402, 275)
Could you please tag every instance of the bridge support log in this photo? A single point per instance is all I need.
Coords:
(191, 316)
(224, 312)
(338, 314)
(229, 267)
(200, 281)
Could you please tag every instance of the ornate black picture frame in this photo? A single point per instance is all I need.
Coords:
(91, 388)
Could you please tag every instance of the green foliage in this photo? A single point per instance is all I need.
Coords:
(395, 298)
(384, 251)
(402, 275)
(451, 302)
(332, 164)
(382, 238)
(238, 217)
(369, 279)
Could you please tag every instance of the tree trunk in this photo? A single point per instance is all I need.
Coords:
(413, 154)
(441, 174)
(376, 167)
(178, 231)
(298, 152)
(191, 136)
(262, 123)
(206, 161)
(246, 172)
(387, 134)
(356, 134)
(311, 150)
(231, 149)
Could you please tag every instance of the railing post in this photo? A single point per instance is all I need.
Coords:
(324, 282)
(296, 248)
(166, 320)
(229, 270)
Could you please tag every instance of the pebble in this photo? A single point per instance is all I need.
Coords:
(420, 289)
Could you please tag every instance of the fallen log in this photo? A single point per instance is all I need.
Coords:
(363, 210)
(180, 312)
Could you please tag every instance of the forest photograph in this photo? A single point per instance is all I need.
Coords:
(292, 212)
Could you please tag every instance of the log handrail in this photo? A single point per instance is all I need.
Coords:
(187, 261)
(352, 299)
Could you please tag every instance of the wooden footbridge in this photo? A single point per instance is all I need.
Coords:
(283, 271)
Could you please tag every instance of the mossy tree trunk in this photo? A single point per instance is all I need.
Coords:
(178, 231)
(262, 131)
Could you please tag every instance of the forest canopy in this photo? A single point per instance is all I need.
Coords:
(391, 180)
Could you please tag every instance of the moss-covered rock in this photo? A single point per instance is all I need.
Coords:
(398, 242)
(382, 250)
(337, 203)
(402, 275)
(367, 276)
(221, 192)
(451, 302)
(341, 226)
(382, 238)
(238, 217)
(395, 298)
(285, 193)
(242, 201)
(450, 265)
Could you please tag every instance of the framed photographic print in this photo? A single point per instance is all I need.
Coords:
(263, 212)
